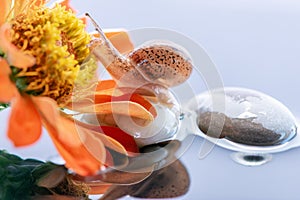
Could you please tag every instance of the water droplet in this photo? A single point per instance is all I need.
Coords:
(245, 116)
(251, 159)
(181, 116)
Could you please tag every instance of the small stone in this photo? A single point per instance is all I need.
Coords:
(246, 117)
(237, 130)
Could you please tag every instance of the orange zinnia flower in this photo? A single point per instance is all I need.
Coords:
(38, 71)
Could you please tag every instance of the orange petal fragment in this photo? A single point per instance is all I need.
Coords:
(106, 84)
(15, 56)
(25, 125)
(4, 9)
(20, 6)
(39, 2)
(107, 87)
(126, 108)
(136, 98)
(84, 20)
(66, 3)
(4, 68)
(111, 92)
(7, 89)
(119, 38)
(104, 87)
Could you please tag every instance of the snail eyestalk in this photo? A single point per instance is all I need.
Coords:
(102, 48)
(97, 27)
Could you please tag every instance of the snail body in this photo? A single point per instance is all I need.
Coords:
(157, 62)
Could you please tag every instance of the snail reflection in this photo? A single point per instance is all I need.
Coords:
(141, 178)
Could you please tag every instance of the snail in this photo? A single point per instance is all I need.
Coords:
(159, 63)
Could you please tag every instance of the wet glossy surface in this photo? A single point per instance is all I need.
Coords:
(254, 44)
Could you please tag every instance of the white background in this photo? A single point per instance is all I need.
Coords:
(254, 44)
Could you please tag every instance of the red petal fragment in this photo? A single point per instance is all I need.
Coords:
(125, 139)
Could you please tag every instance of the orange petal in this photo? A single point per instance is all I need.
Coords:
(19, 6)
(4, 68)
(110, 92)
(104, 87)
(77, 158)
(39, 2)
(66, 3)
(127, 108)
(120, 39)
(4, 9)
(7, 89)
(136, 98)
(115, 119)
(15, 56)
(107, 87)
(82, 149)
(24, 123)
(106, 84)
(84, 20)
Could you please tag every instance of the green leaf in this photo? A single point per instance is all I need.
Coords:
(2, 54)
(17, 179)
(49, 175)
(3, 106)
(24, 179)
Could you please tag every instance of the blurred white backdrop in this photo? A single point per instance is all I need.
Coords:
(254, 43)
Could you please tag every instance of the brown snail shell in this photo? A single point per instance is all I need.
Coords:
(161, 63)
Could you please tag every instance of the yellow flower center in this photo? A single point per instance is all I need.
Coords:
(58, 41)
